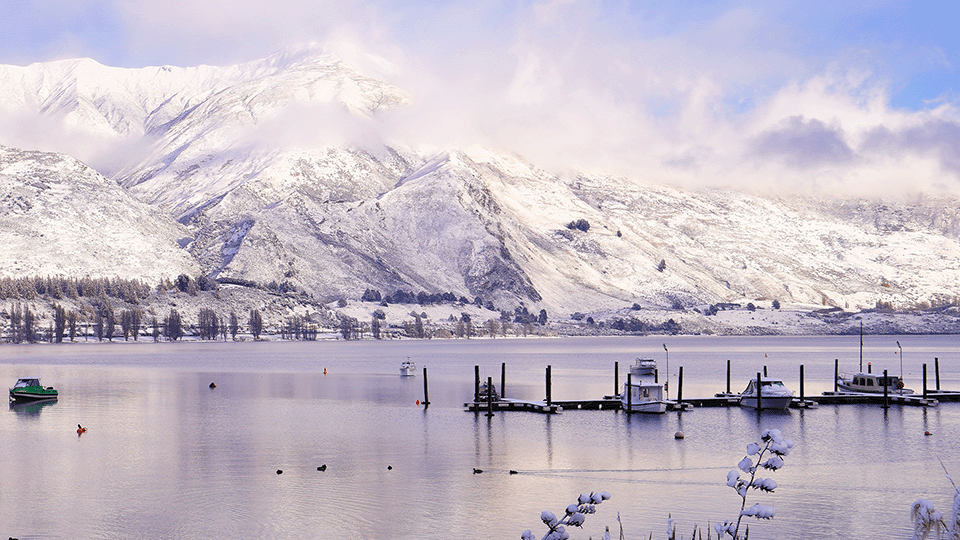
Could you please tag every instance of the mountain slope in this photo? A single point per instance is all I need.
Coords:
(59, 217)
(275, 172)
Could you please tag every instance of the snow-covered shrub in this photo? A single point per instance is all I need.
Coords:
(771, 444)
(927, 519)
(574, 516)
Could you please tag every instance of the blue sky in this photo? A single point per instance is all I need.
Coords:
(819, 93)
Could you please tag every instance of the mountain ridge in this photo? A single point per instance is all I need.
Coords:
(274, 171)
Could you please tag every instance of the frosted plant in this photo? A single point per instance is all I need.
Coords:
(773, 445)
(574, 516)
(927, 519)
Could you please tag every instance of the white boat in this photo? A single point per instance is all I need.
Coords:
(643, 393)
(773, 394)
(872, 383)
(408, 368)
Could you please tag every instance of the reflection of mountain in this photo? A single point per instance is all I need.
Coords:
(276, 171)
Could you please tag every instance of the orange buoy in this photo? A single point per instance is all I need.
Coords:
(81, 429)
(324, 371)
(927, 433)
(418, 402)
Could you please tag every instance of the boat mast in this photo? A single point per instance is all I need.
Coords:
(861, 346)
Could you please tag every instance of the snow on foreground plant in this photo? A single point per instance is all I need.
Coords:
(775, 446)
(927, 519)
(575, 515)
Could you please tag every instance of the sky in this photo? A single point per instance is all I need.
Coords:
(818, 97)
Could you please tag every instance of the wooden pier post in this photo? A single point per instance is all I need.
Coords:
(680, 387)
(886, 391)
(616, 378)
(476, 384)
(489, 396)
(924, 381)
(836, 374)
(426, 391)
(629, 392)
(728, 376)
(549, 398)
(503, 380)
(759, 393)
(764, 371)
(936, 371)
(801, 383)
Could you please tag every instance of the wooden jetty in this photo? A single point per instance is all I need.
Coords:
(489, 401)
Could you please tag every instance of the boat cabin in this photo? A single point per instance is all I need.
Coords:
(25, 383)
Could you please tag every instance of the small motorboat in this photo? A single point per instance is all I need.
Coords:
(773, 394)
(643, 393)
(485, 393)
(872, 383)
(408, 368)
(30, 389)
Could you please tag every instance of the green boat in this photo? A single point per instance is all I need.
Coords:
(27, 390)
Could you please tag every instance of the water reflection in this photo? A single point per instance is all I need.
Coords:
(31, 410)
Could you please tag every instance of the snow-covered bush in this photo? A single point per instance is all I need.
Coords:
(574, 516)
(773, 445)
(927, 519)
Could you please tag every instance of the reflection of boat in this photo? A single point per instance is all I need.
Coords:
(773, 394)
(872, 383)
(31, 408)
(408, 368)
(643, 393)
(29, 389)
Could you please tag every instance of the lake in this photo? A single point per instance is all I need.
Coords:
(166, 456)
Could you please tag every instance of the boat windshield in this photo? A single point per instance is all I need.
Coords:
(773, 384)
(23, 383)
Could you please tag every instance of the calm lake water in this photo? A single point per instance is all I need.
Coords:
(165, 456)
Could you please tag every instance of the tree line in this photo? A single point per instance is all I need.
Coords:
(106, 324)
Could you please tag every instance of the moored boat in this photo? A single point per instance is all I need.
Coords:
(642, 393)
(408, 368)
(30, 389)
(773, 394)
(872, 383)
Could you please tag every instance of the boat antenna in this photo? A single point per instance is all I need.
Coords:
(861, 346)
(666, 385)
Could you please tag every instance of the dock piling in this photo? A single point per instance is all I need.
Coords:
(549, 399)
(426, 391)
(886, 392)
(728, 376)
(476, 384)
(764, 371)
(489, 396)
(924, 381)
(680, 387)
(801, 382)
(936, 371)
(503, 380)
(629, 392)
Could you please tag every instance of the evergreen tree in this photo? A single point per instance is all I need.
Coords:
(28, 326)
(173, 326)
(234, 325)
(59, 322)
(255, 323)
(72, 324)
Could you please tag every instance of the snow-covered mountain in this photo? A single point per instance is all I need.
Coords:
(273, 171)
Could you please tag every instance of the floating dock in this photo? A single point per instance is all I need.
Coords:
(494, 403)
